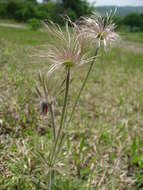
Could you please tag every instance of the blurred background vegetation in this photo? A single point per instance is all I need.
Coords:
(23, 10)
(32, 11)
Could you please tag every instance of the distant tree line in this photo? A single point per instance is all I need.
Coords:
(133, 22)
(23, 10)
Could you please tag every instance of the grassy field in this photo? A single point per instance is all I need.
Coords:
(134, 37)
(104, 146)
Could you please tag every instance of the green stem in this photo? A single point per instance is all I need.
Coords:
(62, 117)
(49, 179)
(83, 85)
(53, 121)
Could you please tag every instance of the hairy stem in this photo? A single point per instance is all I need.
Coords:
(83, 85)
(53, 121)
(62, 117)
(49, 179)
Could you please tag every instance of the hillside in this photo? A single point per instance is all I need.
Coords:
(121, 11)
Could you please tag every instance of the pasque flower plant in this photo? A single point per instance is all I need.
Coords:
(68, 52)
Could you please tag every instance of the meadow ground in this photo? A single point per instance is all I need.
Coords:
(104, 146)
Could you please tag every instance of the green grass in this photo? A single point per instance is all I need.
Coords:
(23, 36)
(134, 37)
(9, 21)
(104, 145)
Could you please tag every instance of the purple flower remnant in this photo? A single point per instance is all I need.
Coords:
(15, 115)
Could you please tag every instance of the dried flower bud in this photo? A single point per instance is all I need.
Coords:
(44, 108)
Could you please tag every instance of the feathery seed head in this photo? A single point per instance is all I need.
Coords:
(100, 29)
(68, 49)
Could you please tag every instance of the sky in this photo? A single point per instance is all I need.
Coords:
(115, 2)
(118, 2)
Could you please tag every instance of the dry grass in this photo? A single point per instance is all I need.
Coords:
(103, 149)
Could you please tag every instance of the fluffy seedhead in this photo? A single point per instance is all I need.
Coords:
(68, 50)
(99, 29)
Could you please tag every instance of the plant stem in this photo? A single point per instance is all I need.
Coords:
(62, 117)
(83, 85)
(49, 180)
(53, 121)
